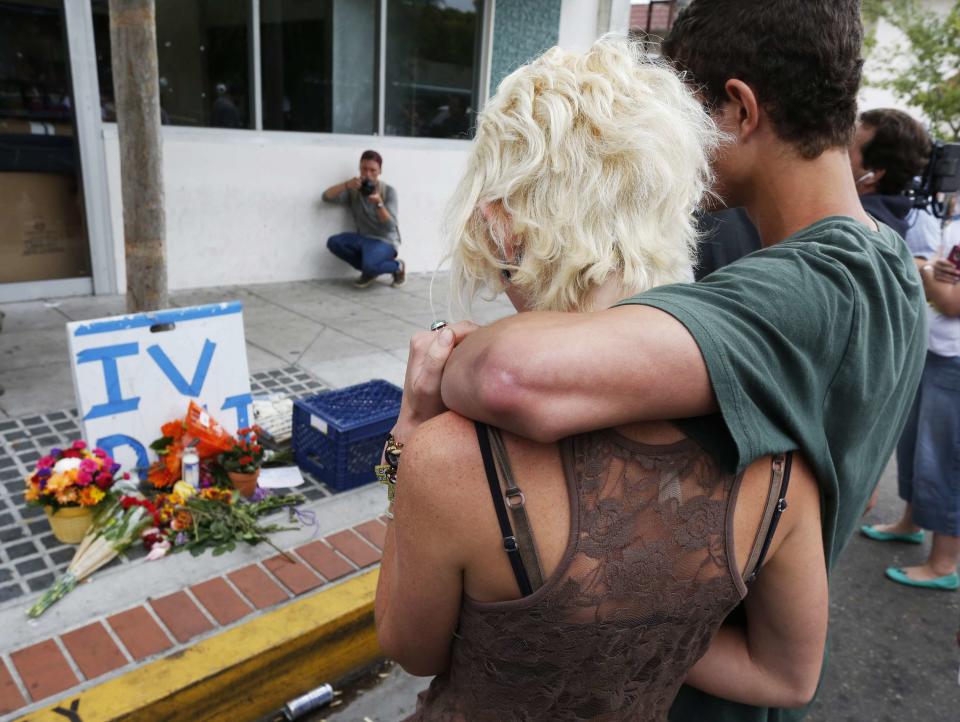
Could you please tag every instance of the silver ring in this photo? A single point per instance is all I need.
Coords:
(437, 325)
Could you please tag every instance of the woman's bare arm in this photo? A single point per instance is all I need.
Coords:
(775, 660)
(941, 288)
(421, 582)
(545, 376)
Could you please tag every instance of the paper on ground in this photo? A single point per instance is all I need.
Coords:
(280, 477)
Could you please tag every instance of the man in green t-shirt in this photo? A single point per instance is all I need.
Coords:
(815, 342)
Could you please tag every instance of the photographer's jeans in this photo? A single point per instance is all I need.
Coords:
(370, 256)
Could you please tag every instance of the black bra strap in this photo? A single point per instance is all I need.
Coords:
(781, 505)
(509, 541)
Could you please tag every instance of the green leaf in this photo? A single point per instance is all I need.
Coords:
(162, 443)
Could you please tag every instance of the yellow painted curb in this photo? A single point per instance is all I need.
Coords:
(246, 672)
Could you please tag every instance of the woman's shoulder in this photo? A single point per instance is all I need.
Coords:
(442, 438)
(438, 458)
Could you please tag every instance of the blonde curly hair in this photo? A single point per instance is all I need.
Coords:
(591, 165)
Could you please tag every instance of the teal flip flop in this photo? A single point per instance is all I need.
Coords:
(884, 536)
(948, 583)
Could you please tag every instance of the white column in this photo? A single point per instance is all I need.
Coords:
(93, 167)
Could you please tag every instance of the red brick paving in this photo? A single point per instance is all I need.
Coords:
(374, 531)
(93, 650)
(258, 587)
(44, 670)
(10, 697)
(321, 557)
(224, 604)
(354, 548)
(182, 617)
(140, 634)
(298, 577)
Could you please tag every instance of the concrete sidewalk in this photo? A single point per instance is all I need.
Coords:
(335, 332)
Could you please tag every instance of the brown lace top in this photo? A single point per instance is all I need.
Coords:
(647, 579)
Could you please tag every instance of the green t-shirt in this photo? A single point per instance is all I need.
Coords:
(816, 344)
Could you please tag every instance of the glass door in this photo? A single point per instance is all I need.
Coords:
(42, 227)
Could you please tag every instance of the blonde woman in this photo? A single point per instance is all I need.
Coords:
(588, 579)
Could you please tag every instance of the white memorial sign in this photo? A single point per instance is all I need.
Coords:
(132, 374)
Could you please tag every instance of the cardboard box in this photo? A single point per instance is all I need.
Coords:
(42, 235)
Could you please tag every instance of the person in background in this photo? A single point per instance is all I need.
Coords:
(372, 248)
(889, 150)
(725, 236)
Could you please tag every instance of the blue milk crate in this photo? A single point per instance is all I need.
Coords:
(338, 436)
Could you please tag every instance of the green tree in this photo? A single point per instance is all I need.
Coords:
(924, 70)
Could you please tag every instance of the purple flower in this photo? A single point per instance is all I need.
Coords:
(180, 539)
(44, 473)
(55, 452)
(114, 468)
(259, 495)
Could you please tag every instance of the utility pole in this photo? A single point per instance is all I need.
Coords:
(133, 42)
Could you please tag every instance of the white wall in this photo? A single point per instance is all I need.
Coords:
(244, 206)
(583, 21)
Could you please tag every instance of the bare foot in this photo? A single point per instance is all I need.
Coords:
(925, 573)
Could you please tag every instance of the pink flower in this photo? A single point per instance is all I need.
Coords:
(126, 475)
(46, 462)
(100, 453)
(158, 550)
(84, 478)
(90, 466)
(79, 445)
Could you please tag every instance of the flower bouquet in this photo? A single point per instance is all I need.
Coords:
(243, 460)
(212, 518)
(196, 429)
(116, 526)
(69, 484)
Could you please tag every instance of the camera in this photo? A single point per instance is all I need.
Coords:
(942, 175)
(367, 187)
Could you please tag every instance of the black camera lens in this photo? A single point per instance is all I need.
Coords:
(367, 187)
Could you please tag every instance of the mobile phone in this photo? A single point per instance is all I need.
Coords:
(954, 257)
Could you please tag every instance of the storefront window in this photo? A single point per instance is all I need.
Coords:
(319, 65)
(432, 58)
(203, 56)
(42, 234)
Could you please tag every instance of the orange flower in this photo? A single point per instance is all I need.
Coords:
(182, 520)
(67, 496)
(91, 496)
(160, 476)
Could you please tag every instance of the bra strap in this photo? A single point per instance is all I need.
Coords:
(506, 531)
(776, 504)
(518, 513)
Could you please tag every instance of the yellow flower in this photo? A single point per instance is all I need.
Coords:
(57, 482)
(32, 493)
(183, 490)
(91, 496)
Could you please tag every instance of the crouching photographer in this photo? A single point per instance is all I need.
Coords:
(372, 248)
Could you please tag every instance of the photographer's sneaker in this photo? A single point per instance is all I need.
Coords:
(400, 277)
(364, 281)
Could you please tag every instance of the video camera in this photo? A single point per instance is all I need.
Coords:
(941, 176)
